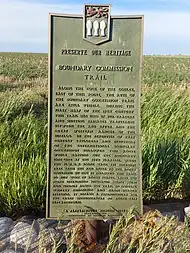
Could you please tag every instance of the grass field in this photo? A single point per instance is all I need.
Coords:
(165, 123)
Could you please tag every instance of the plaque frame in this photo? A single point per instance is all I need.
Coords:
(50, 85)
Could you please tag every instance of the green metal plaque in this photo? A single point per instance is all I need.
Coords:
(94, 153)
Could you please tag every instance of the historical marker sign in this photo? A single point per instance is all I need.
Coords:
(94, 164)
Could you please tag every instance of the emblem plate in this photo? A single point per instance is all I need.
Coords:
(96, 25)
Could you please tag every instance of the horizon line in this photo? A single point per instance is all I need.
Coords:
(153, 54)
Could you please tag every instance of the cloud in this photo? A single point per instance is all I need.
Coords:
(130, 4)
(27, 22)
(25, 26)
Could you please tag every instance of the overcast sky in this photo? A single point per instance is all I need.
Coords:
(24, 23)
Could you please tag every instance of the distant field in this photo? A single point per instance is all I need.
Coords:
(156, 69)
(165, 121)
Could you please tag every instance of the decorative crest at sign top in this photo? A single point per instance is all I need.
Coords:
(97, 12)
(96, 25)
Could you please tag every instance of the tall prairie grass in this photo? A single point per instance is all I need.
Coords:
(23, 138)
(166, 143)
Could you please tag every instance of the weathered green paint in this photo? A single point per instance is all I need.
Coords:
(66, 32)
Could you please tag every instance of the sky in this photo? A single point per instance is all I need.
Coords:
(24, 23)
